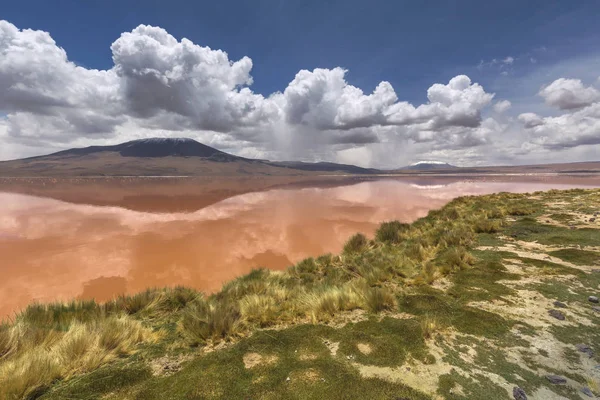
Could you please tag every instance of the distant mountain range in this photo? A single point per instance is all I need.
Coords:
(163, 157)
(187, 157)
(429, 165)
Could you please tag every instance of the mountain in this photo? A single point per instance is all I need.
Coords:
(429, 165)
(326, 167)
(162, 157)
(156, 147)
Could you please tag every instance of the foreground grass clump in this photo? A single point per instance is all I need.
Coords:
(381, 303)
(33, 356)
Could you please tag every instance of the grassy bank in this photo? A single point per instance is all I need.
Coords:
(454, 305)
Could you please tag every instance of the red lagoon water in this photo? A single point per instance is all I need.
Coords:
(53, 249)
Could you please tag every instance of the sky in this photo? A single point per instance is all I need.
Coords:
(378, 83)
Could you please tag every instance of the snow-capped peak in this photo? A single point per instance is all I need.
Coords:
(429, 162)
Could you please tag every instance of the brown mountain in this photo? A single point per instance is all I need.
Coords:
(161, 157)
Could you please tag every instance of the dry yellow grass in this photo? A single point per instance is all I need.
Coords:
(37, 357)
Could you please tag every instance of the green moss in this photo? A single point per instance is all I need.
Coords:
(529, 230)
(105, 380)
(576, 256)
(391, 340)
(562, 217)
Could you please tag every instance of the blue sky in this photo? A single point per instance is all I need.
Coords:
(511, 48)
(412, 44)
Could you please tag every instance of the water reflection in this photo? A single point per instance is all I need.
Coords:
(56, 250)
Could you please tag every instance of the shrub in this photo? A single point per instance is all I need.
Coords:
(204, 320)
(176, 298)
(429, 326)
(379, 299)
(389, 232)
(258, 309)
(460, 235)
(356, 243)
(322, 304)
(520, 209)
(455, 258)
(135, 303)
(46, 354)
(485, 225)
(306, 266)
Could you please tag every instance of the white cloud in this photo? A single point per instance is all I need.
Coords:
(37, 79)
(568, 94)
(568, 130)
(162, 86)
(323, 99)
(459, 103)
(578, 126)
(502, 106)
(159, 73)
(530, 120)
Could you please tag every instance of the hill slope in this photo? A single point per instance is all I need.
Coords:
(155, 147)
(484, 298)
(161, 157)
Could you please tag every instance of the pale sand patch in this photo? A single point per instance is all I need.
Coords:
(533, 254)
(532, 307)
(252, 360)
(442, 284)
(364, 348)
(344, 318)
(165, 366)
(332, 346)
(305, 376)
(307, 356)
(416, 375)
(395, 315)
(544, 393)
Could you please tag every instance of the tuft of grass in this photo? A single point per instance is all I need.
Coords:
(356, 243)
(259, 309)
(40, 359)
(323, 304)
(379, 299)
(485, 225)
(389, 232)
(454, 259)
(206, 320)
(430, 325)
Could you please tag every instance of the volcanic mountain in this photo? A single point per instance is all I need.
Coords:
(156, 147)
(162, 157)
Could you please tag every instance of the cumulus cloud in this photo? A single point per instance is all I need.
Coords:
(569, 94)
(322, 98)
(502, 106)
(530, 120)
(37, 79)
(459, 103)
(579, 125)
(568, 130)
(160, 85)
(159, 73)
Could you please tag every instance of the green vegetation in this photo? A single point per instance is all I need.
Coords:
(576, 256)
(351, 325)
